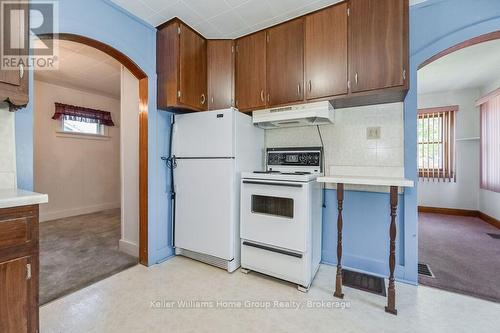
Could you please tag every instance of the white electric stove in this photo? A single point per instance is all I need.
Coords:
(281, 216)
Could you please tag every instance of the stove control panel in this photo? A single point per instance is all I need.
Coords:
(299, 157)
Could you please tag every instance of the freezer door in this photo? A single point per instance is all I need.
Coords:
(206, 218)
(204, 134)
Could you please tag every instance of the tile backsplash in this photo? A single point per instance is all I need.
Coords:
(7, 149)
(348, 151)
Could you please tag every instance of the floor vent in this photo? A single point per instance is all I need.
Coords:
(495, 236)
(365, 282)
(425, 270)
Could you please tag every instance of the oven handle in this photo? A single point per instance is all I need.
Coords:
(267, 248)
(273, 184)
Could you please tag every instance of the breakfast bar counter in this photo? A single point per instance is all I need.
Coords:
(394, 184)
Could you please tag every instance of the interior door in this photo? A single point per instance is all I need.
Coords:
(193, 69)
(205, 219)
(250, 73)
(377, 44)
(220, 61)
(326, 52)
(205, 134)
(14, 296)
(285, 63)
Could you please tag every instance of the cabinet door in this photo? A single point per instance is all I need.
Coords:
(250, 85)
(378, 44)
(14, 83)
(193, 69)
(285, 63)
(220, 74)
(14, 296)
(326, 52)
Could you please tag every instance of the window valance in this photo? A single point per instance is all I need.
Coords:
(82, 114)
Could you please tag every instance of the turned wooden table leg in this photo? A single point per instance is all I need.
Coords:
(391, 290)
(338, 283)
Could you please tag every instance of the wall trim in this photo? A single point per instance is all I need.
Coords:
(461, 212)
(61, 214)
(129, 248)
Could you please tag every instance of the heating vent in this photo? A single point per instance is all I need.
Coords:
(495, 236)
(425, 270)
(365, 282)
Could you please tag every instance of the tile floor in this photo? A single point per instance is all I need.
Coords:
(123, 303)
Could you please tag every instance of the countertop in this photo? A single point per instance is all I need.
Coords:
(17, 198)
(370, 181)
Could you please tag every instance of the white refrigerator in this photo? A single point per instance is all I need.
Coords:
(210, 150)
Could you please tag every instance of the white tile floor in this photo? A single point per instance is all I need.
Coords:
(122, 303)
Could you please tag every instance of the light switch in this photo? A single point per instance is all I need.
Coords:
(373, 133)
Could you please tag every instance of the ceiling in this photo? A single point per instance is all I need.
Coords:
(84, 67)
(472, 67)
(224, 18)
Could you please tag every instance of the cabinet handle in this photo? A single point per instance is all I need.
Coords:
(212, 100)
(203, 99)
(310, 86)
(404, 74)
(268, 97)
(298, 89)
(356, 78)
(262, 98)
(21, 71)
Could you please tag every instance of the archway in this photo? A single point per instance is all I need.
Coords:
(143, 128)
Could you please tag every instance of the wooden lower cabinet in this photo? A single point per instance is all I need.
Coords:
(19, 269)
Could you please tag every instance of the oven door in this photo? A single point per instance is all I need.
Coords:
(275, 213)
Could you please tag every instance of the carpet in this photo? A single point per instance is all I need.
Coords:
(78, 251)
(461, 254)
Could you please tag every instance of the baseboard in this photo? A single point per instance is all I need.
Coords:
(491, 220)
(129, 248)
(49, 216)
(461, 212)
(449, 211)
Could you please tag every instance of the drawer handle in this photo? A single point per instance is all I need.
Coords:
(273, 184)
(271, 249)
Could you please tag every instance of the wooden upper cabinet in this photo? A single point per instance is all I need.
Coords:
(220, 62)
(250, 71)
(181, 67)
(14, 81)
(326, 52)
(193, 69)
(378, 44)
(285, 63)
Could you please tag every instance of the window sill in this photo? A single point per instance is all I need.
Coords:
(82, 136)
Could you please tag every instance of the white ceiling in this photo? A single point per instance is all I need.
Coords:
(224, 18)
(84, 67)
(472, 67)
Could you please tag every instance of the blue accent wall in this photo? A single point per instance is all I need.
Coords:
(434, 26)
(104, 21)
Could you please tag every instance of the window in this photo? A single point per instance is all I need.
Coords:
(436, 143)
(80, 120)
(490, 141)
(76, 126)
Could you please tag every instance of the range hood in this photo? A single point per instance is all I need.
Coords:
(311, 114)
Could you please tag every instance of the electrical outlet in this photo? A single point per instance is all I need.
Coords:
(373, 133)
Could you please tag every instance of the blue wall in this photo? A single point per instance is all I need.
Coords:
(103, 21)
(435, 25)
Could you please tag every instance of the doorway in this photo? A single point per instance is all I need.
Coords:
(458, 221)
(79, 162)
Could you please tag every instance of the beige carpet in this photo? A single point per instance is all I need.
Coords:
(461, 254)
(78, 251)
